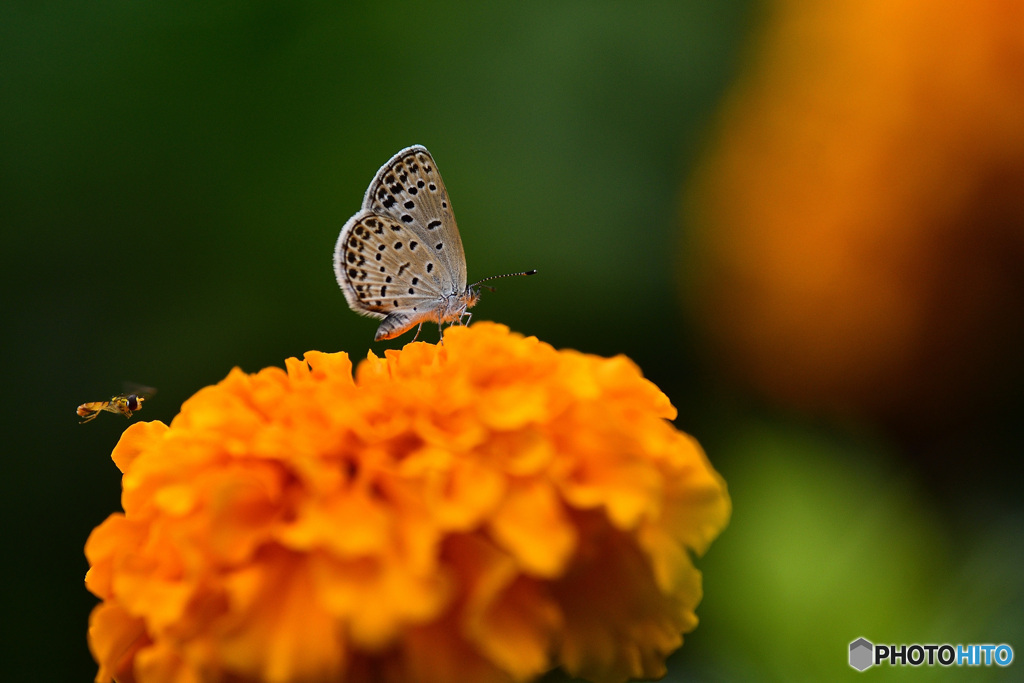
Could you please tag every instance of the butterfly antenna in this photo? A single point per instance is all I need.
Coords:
(495, 277)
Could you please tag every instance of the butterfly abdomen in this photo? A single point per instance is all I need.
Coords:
(448, 309)
(392, 326)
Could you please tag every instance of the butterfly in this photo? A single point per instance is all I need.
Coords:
(400, 258)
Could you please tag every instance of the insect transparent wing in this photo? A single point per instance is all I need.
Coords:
(137, 389)
(383, 266)
(409, 189)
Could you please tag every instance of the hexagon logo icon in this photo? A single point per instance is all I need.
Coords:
(861, 654)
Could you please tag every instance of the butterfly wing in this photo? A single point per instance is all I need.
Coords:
(409, 190)
(382, 267)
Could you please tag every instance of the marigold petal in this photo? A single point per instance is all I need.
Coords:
(410, 361)
(514, 407)
(627, 489)
(378, 598)
(669, 560)
(164, 602)
(525, 452)
(621, 378)
(139, 437)
(336, 366)
(459, 495)
(518, 629)
(431, 655)
(698, 507)
(225, 410)
(176, 500)
(274, 636)
(368, 526)
(372, 370)
(460, 432)
(241, 503)
(297, 370)
(114, 638)
(594, 647)
(533, 526)
(160, 663)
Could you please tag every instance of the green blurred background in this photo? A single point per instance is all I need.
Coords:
(173, 177)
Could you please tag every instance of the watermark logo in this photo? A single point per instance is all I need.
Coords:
(861, 654)
(865, 654)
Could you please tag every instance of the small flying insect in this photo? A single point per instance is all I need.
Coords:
(125, 404)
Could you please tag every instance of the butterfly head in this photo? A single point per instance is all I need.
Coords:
(472, 295)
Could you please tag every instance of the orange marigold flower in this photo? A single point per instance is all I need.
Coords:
(484, 510)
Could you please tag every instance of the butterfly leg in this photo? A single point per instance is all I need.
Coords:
(417, 335)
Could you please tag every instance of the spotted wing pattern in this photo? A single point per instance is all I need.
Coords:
(384, 266)
(409, 189)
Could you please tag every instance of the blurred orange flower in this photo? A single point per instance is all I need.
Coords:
(484, 510)
(857, 228)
